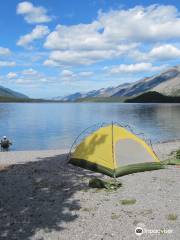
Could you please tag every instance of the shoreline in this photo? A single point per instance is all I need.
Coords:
(162, 150)
(23, 157)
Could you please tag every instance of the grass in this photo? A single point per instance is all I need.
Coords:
(172, 217)
(128, 201)
(87, 209)
(115, 216)
(109, 185)
(174, 160)
(178, 154)
(85, 190)
(112, 185)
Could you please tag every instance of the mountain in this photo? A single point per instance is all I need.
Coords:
(6, 92)
(153, 97)
(71, 97)
(167, 83)
(103, 92)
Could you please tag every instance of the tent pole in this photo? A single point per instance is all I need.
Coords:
(113, 147)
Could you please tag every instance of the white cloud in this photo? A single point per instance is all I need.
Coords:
(32, 82)
(82, 44)
(81, 36)
(31, 77)
(114, 34)
(7, 64)
(153, 23)
(33, 14)
(4, 51)
(11, 75)
(38, 32)
(157, 53)
(134, 68)
(29, 72)
(164, 52)
(24, 76)
(50, 63)
(67, 73)
(85, 57)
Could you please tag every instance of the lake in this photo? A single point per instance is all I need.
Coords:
(35, 126)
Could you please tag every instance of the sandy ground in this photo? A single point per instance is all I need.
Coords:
(42, 198)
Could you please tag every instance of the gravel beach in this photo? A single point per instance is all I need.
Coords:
(43, 198)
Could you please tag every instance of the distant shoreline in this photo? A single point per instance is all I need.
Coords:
(25, 100)
(147, 97)
(82, 102)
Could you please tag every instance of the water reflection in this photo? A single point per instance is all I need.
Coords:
(52, 126)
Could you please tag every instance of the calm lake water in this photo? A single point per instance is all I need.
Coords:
(55, 125)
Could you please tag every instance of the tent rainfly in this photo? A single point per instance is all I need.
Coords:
(114, 151)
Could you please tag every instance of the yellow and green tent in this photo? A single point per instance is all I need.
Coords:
(114, 151)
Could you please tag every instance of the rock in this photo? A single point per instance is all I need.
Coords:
(96, 183)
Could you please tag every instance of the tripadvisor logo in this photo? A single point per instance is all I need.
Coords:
(139, 229)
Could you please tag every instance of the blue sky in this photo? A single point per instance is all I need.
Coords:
(56, 47)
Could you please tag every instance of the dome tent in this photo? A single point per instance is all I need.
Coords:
(114, 151)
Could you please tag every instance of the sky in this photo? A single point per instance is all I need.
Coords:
(52, 48)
